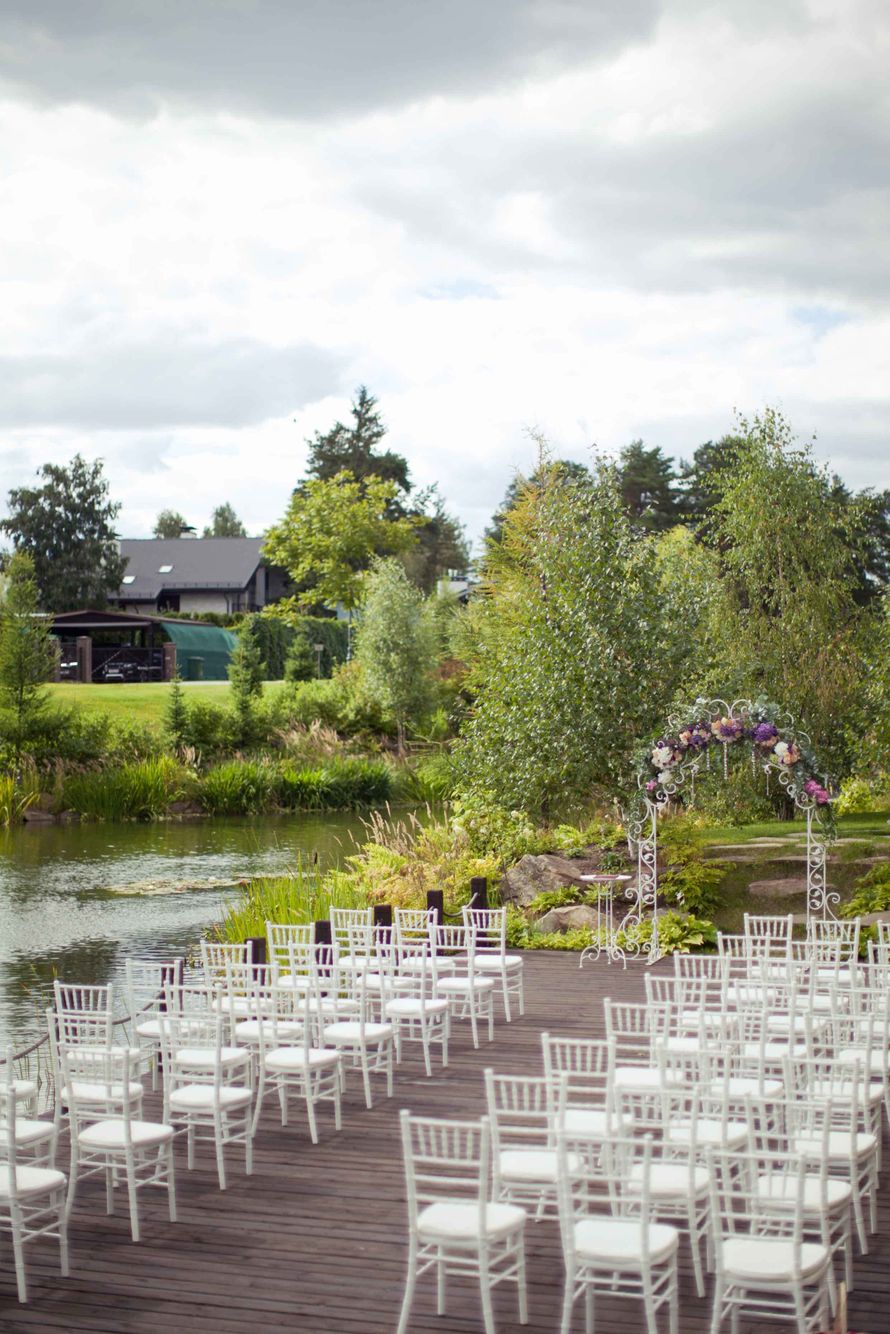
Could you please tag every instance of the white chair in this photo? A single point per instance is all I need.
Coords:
(470, 993)
(677, 1177)
(416, 1012)
(36, 1139)
(146, 980)
(616, 1250)
(291, 1058)
(523, 1112)
(341, 920)
(413, 926)
(281, 935)
(203, 1094)
(489, 927)
(764, 1268)
(358, 1037)
(106, 1137)
(585, 1065)
(32, 1198)
(637, 1031)
(453, 1225)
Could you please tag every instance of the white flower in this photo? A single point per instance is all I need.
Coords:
(662, 756)
(665, 776)
(780, 749)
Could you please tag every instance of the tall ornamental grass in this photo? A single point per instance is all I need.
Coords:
(143, 790)
(18, 791)
(304, 895)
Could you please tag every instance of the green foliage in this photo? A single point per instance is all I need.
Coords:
(138, 791)
(395, 646)
(302, 896)
(224, 522)
(329, 535)
(858, 797)
(171, 524)
(872, 893)
(300, 663)
(67, 527)
(793, 628)
(677, 934)
(209, 727)
(273, 637)
(355, 448)
(430, 779)
(339, 785)
(18, 792)
(27, 656)
(556, 898)
(492, 831)
(176, 718)
(648, 487)
(571, 659)
(238, 787)
(688, 880)
(246, 677)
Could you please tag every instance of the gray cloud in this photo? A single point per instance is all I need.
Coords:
(307, 58)
(164, 383)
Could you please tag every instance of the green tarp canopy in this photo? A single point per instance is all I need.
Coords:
(210, 643)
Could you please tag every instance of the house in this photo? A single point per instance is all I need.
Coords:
(114, 646)
(192, 575)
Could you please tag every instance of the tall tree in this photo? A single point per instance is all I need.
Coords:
(330, 534)
(441, 541)
(565, 648)
(246, 678)
(787, 546)
(170, 523)
(27, 656)
(395, 645)
(698, 478)
(66, 526)
(224, 522)
(563, 469)
(354, 448)
(648, 486)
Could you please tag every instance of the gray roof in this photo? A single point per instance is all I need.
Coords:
(225, 563)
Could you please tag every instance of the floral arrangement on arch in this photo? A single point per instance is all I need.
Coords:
(758, 725)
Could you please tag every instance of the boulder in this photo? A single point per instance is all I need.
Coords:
(568, 918)
(36, 815)
(535, 873)
(185, 808)
(789, 888)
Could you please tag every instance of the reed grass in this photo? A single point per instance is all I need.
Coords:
(305, 894)
(18, 791)
(143, 790)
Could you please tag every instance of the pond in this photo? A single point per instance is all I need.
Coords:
(60, 917)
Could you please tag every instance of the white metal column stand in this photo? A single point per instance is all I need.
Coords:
(606, 935)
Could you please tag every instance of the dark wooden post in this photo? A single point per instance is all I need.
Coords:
(256, 952)
(479, 892)
(84, 658)
(383, 914)
(169, 667)
(435, 899)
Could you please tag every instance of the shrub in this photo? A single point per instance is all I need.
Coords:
(431, 779)
(857, 797)
(18, 791)
(300, 664)
(238, 787)
(138, 791)
(872, 893)
(209, 727)
(676, 934)
(302, 896)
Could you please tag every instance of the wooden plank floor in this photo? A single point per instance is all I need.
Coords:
(314, 1241)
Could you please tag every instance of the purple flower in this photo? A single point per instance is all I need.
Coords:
(765, 735)
(816, 791)
(727, 729)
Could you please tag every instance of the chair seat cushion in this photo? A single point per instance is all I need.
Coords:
(204, 1058)
(249, 1030)
(772, 1051)
(619, 1240)
(88, 1092)
(417, 964)
(31, 1180)
(782, 1189)
(350, 1030)
(495, 962)
(876, 1062)
(595, 1122)
(771, 1259)
(461, 986)
(22, 1090)
(533, 1165)
(201, 1097)
(149, 1028)
(641, 1078)
(708, 1132)
(670, 1180)
(411, 1007)
(111, 1134)
(747, 1086)
(840, 1145)
(458, 1220)
(29, 1132)
(294, 1058)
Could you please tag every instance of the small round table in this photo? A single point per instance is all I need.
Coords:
(604, 919)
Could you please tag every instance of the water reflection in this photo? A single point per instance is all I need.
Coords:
(57, 916)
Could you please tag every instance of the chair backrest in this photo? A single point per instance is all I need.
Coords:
(456, 943)
(412, 924)
(759, 1193)
(489, 928)
(194, 1021)
(523, 1110)
(276, 1010)
(769, 933)
(83, 1014)
(146, 980)
(831, 941)
(445, 1160)
(636, 1028)
(585, 1065)
(697, 966)
(342, 919)
(218, 958)
(8, 1142)
(281, 934)
(98, 1085)
(623, 1160)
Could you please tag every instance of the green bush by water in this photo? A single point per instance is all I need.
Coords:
(305, 895)
(140, 791)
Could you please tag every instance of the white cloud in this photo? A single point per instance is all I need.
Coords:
(683, 214)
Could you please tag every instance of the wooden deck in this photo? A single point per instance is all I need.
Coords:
(315, 1240)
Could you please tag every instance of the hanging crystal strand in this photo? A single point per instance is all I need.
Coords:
(708, 760)
(767, 780)
(725, 760)
(753, 762)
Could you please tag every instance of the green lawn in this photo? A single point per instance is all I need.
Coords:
(144, 702)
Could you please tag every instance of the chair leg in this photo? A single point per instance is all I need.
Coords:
(567, 1301)
(473, 1024)
(248, 1143)
(171, 1183)
(505, 992)
(131, 1192)
(410, 1283)
(63, 1237)
(521, 1282)
(366, 1077)
(310, 1110)
(18, 1251)
(485, 1286)
(220, 1152)
(440, 1283)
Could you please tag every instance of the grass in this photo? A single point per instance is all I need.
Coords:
(301, 896)
(876, 823)
(144, 701)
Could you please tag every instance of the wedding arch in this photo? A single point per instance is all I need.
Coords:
(713, 732)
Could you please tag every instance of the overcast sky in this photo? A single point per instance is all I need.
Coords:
(604, 219)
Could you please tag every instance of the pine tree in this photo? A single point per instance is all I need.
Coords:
(27, 656)
(300, 663)
(176, 713)
(246, 678)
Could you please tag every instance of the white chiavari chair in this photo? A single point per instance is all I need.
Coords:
(469, 992)
(489, 927)
(523, 1112)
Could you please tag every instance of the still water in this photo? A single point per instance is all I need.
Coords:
(59, 918)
